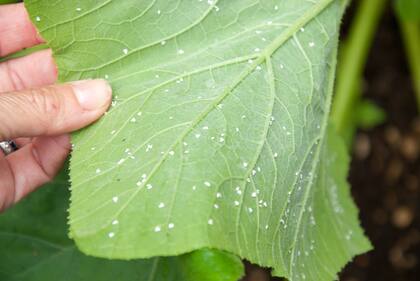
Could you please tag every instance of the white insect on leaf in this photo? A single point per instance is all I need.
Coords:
(248, 130)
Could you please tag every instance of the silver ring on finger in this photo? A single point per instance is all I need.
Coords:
(8, 147)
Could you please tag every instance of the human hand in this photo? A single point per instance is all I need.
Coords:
(37, 116)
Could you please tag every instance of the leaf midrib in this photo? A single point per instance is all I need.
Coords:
(267, 52)
(184, 75)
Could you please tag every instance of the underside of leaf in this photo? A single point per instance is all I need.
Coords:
(217, 136)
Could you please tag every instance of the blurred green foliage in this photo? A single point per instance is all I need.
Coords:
(369, 115)
(408, 9)
(408, 14)
(9, 1)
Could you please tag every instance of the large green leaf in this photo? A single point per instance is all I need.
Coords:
(216, 137)
(34, 246)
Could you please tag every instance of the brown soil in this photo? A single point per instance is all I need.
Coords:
(385, 172)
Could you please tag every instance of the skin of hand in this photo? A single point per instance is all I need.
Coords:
(34, 112)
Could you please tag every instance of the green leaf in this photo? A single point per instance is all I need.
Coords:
(24, 52)
(408, 9)
(217, 134)
(34, 246)
(9, 1)
(369, 115)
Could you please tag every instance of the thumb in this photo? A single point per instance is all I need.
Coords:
(53, 110)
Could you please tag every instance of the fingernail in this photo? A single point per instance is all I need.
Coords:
(92, 94)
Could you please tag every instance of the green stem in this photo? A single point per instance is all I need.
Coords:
(410, 31)
(352, 61)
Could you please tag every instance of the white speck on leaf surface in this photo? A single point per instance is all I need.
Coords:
(215, 80)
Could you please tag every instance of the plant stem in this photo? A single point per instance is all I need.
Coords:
(352, 61)
(410, 31)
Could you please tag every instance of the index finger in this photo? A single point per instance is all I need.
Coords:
(16, 30)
